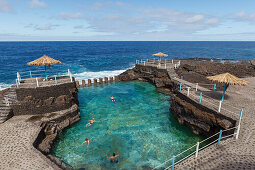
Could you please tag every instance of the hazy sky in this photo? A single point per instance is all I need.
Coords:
(138, 20)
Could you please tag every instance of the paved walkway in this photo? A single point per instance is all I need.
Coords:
(232, 153)
(16, 149)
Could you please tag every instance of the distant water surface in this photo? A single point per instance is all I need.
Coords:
(99, 59)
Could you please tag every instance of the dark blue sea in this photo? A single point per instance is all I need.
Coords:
(99, 59)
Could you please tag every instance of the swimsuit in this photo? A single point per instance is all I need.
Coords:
(116, 161)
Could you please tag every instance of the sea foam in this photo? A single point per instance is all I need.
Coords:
(4, 86)
(95, 75)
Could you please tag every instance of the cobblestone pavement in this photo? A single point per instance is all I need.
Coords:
(232, 153)
(16, 146)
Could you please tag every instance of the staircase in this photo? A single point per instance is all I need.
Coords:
(171, 72)
(6, 102)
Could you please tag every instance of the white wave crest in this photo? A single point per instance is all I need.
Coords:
(4, 86)
(96, 75)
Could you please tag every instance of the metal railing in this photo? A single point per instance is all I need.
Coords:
(40, 77)
(159, 63)
(205, 143)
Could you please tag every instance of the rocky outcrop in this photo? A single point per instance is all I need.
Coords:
(202, 120)
(159, 77)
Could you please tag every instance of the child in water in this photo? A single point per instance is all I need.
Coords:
(87, 141)
(113, 99)
(113, 158)
(91, 122)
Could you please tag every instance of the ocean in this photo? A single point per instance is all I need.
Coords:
(99, 59)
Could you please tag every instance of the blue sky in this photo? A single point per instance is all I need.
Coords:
(123, 20)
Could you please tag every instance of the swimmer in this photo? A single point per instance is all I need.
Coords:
(87, 141)
(91, 122)
(113, 99)
(113, 158)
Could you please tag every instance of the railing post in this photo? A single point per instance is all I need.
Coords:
(18, 77)
(214, 87)
(17, 83)
(219, 137)
(173, 163)
(172, 61)
(37, 83)
(181, 83)
(196, 86)
(30, 74)
(197, 149)
(188, 91)
(200, 98)
(239, 123)
(56, 80)
(144, 63)
(71, 77)
(220, 106)
(165, 61)
(165, 65)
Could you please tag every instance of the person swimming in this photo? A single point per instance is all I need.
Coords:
(87, 141)
(91, 122)
(113, 158)
(113, 99)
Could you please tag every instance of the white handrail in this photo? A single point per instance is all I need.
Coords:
(209, 144)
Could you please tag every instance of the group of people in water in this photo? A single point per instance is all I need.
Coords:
(113, 158)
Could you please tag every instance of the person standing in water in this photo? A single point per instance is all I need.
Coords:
(87, 141)
(113, 158)
(113, 99)
(91, 122)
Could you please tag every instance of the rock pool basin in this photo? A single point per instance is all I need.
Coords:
(138, 126)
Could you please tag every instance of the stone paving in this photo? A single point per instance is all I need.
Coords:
(16, 146)
(232, 153)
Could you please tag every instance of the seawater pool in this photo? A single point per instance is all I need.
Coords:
(138, 126)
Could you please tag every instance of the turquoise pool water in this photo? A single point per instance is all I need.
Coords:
(138, 126)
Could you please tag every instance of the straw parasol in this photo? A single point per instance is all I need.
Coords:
(160, 54)
(44, 60)
(228, 79)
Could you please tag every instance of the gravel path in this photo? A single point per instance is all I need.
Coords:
(232, 153)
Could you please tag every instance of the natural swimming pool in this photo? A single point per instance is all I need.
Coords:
(138, 126)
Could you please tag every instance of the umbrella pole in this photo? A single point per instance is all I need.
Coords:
(45, 72)
(225, 85)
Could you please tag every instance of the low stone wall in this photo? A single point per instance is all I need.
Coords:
(43, 93)
(41, 100)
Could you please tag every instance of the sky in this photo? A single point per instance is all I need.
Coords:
(127, 20)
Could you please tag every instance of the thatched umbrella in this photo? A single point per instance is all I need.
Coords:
(228, 79)
(44, 60)
(160, 54)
